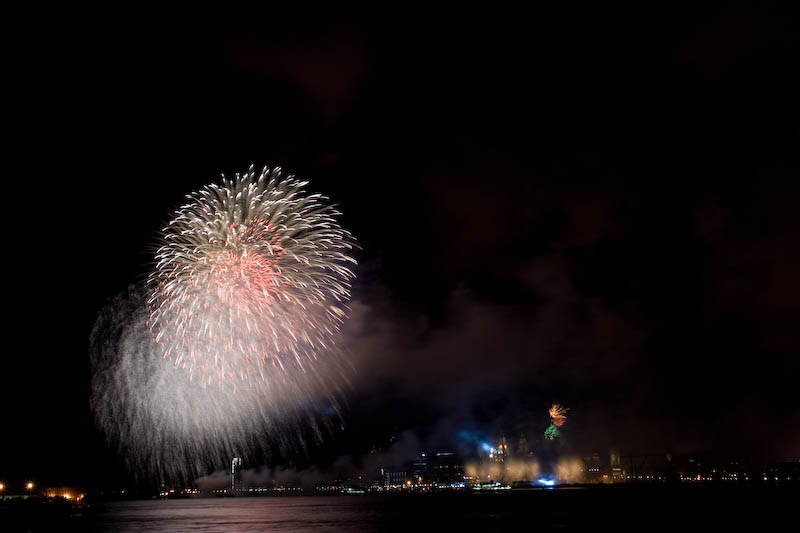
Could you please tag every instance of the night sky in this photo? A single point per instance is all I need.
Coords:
(594, 208)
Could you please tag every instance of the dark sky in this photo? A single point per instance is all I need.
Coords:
(591, 207)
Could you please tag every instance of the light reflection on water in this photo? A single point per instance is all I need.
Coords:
(315, 513)
(549, 509)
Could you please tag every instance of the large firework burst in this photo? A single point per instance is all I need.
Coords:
(250, 279)
(229, 348)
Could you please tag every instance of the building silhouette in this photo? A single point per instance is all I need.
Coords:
(236, 474)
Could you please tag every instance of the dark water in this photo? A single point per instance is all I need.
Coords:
(620, 509)
(239, 514)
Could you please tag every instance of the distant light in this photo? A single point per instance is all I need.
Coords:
(29, 485)
(546, 482)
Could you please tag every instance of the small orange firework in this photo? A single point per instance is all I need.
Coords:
(559, 414)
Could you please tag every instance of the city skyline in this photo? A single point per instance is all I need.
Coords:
(571, 211)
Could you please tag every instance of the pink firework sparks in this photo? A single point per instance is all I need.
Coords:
(251, 280)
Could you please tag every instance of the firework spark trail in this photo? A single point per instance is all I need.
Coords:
(233, 336)
(558, 411)
(558, 415)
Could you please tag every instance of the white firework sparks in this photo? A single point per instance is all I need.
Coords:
(233, 337)
(250, 280)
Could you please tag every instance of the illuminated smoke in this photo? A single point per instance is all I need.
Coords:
(508, 471)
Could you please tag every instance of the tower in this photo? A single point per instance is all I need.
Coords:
(502, 450)
(522, 447)
(236, 474)
(616, 466)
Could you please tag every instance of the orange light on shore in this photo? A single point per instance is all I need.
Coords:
(29, 485)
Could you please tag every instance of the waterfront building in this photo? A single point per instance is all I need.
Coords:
(236, 474)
